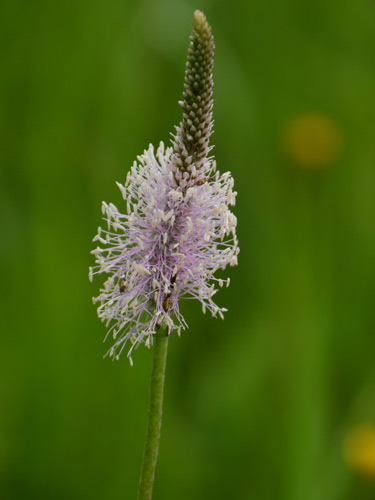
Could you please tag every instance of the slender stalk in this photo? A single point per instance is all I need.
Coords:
(150, 456)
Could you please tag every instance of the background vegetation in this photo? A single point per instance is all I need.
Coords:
(277, 401)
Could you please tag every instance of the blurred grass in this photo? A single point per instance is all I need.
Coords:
(257, 406)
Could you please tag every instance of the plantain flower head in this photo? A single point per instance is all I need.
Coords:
(176, 229)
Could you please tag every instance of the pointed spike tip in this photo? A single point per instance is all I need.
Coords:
(199, 17)
(200, 21)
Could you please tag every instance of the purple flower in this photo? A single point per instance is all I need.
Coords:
(177, 230)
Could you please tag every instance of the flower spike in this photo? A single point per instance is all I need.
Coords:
(191, 143)
(177, 230)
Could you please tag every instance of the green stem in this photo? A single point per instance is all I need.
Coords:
(155, 411)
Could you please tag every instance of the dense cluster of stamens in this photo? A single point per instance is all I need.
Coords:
(177, 230)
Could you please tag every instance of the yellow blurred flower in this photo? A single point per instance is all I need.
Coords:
(359, 449)
(312, 141)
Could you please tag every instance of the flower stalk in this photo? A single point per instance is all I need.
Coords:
(150, 456)
(176, 232)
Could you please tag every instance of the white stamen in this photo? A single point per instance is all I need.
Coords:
(140, 269)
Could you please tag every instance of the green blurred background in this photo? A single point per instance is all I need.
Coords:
(276, 402)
